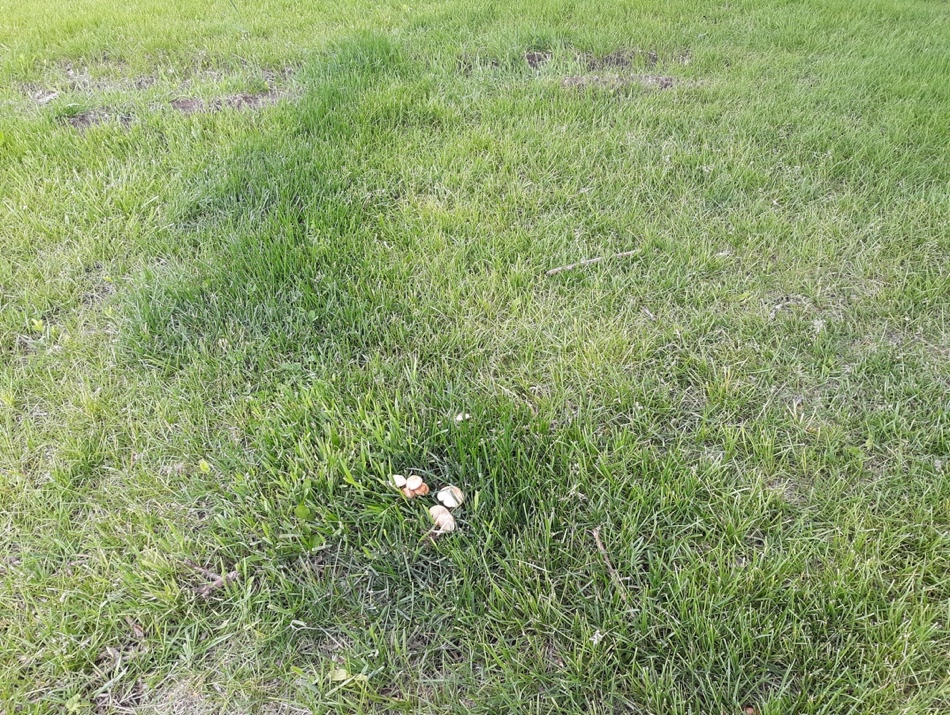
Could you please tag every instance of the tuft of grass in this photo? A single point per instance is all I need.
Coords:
(224, 327)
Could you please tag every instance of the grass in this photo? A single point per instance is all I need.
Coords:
(221, 331)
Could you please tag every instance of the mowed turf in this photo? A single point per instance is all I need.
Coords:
(258, 256)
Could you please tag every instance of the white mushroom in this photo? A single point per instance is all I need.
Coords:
(450, 496)
(399, 481)
(413, 482)
(444, 521)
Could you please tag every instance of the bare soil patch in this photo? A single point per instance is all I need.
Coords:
(187, 106)
(84, 120)
(466, 65)
(251, 101)
(98, 292)
(92, 117)
(622, 67)
(240, 102)
(617, 81)
(74, 80)
(81, 81)
(40, 95)
(537, 58)
(619, 59)
(627, 58)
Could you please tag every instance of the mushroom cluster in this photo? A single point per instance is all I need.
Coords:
(411, 486)
(451, 497)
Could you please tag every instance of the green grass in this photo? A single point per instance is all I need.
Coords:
(221, 332)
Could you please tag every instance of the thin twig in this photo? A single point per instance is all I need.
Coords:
(205, 591)
(589, 261)
(217, 581)
(610, 567)
(201, 569)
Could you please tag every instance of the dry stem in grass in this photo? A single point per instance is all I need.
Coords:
(217, 581)
(610, 567)
(588, 261)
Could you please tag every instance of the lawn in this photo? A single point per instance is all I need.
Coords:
(261, 255)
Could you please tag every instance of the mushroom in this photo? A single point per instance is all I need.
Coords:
(399, 481)
(444, 521)
(450, 496)
(413, 486)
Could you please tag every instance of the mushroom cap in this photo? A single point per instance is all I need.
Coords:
(438, 511)
(414, 482)
(451, 496)
(444, 521)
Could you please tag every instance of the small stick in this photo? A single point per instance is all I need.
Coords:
(588, 261)
(217, 581)
(205, 591)
(610, 567)
(201, 569)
